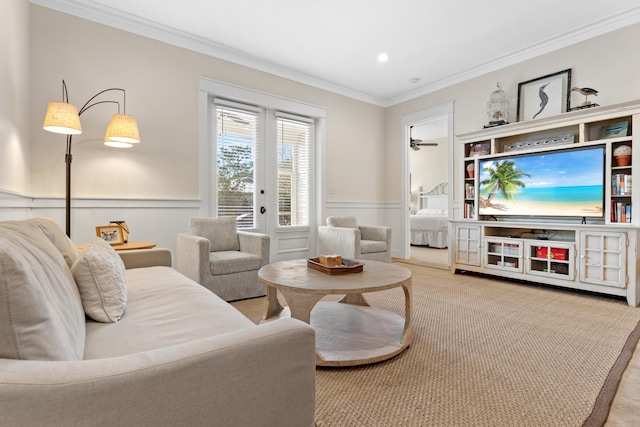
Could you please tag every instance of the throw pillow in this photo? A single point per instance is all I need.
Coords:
(222, 232)
(41, 316)
(100, 276)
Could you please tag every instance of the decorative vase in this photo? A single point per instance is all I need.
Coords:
(622, 155)
(623, 160)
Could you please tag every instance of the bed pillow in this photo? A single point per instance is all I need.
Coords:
(430, 211)
(100, 276)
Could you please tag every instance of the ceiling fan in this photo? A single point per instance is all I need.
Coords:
(415, 144)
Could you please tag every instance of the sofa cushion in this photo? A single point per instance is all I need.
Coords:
(342, 221)
(41, 315)
(372, 246)
(60, 240)
(222, 232)
(100, 275)
(230, 262)
(164, 308)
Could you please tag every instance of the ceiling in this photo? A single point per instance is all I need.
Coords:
(334, 44)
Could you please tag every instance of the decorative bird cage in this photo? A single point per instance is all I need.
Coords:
(497, 108)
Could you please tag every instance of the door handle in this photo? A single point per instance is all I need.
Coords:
(262, 209)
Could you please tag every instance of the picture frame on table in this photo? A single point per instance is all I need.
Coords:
(111, 234)
(544, 96)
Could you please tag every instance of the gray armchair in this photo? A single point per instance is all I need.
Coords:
(221, 258)
(343, 236)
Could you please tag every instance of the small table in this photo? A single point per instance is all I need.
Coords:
(128, 246)
(349, 332)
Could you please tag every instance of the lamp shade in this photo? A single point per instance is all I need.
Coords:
(114, 144)
(123, 128)
(62, 117)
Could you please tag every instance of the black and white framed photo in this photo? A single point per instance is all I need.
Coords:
(544, 96)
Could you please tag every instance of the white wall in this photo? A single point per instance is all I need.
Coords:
(14, 96)
(428, 168)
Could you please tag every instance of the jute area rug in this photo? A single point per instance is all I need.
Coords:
(485, 352)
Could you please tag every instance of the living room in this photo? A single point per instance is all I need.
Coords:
(157, 186)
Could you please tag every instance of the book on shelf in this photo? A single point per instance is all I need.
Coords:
(469, 191)
(621, 184)
(620, 212)
(469, 212)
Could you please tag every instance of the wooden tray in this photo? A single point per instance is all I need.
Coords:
(348, 266)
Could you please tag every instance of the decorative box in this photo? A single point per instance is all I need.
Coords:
(560, 254)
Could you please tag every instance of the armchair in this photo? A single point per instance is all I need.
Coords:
(343, 236)
(221, 258)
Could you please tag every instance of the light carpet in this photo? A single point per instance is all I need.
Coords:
(485, 352)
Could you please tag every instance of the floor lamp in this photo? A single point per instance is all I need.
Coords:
(64, 118)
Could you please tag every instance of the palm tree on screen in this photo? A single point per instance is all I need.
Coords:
(503, 179)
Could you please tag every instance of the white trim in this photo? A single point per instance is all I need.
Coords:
(254, 97)
(87, 9)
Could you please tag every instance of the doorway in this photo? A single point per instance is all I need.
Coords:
(428, 147)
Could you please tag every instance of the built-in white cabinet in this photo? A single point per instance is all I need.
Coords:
(592, 247)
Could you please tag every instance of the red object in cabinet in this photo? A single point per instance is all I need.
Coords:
(560, 254)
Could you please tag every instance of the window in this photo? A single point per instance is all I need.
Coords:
(293, 156)
(236, 143)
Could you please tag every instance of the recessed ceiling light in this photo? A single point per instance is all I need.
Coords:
(383, 57)
(414, 80)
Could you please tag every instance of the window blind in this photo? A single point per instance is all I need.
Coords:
(236, 129)
(293, 157)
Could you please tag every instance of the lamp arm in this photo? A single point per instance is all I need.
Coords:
(87, 106)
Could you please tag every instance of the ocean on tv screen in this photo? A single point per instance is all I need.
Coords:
(560, 183)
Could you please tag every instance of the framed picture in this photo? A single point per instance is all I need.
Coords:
(111, 234)
(544, 96)
(614, 130)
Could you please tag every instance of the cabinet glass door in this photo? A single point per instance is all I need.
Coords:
(550, 259)
(503, 254)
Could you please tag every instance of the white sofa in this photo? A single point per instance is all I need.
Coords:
(177, 355)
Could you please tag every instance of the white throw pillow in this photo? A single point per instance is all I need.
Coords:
(100, 276)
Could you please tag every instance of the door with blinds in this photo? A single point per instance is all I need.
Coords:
(264, 169)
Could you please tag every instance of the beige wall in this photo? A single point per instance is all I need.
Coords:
(14, 96)
(608, 63)
(162, 93)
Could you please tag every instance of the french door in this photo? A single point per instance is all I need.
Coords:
(264, 174)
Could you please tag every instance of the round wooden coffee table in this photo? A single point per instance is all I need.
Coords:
(348, 332)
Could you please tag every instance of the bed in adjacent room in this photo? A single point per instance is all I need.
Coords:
(430, 224)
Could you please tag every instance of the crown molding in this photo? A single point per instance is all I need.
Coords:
(92, 11)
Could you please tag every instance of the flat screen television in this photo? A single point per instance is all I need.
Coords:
(567, 183)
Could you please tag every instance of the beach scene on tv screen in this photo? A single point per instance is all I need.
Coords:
(565, 183)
